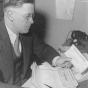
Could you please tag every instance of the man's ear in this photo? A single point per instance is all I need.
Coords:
(10, 15)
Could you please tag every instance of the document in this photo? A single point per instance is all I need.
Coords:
(79, 61)
(28, 84)
(45, 76)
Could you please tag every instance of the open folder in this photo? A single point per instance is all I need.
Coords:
(46, 76)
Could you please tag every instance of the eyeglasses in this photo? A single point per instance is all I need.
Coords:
(26, 17)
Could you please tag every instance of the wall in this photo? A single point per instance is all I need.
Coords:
(56, 29)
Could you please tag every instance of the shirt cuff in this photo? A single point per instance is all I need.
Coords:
(54, 60)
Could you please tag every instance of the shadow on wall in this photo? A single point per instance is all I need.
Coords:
(39, 25)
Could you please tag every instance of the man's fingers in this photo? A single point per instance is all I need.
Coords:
(67, 59)
(64, 65)
(62, 61)
(65, 62)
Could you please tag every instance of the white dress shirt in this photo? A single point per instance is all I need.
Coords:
(12, 37)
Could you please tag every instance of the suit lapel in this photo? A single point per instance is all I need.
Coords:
(6, 47)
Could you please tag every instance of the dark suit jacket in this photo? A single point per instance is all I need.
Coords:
(31, 44)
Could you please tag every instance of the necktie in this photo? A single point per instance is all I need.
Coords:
(17, 62)
(16, 46)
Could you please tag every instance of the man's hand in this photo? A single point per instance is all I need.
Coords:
(63, 61)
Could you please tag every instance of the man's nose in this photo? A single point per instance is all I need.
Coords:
(31, 20)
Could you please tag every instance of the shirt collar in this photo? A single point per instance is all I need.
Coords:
(12, 35)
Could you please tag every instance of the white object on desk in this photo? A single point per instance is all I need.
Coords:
(78, 60)
(28, 84)
(51, 76)
(45, 74)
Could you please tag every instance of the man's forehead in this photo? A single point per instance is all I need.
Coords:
(25, 8)
(28, 6)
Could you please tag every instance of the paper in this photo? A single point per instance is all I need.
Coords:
(78, 60)
(28, 84)
(65, 9)
(41, 77)
(45, 74)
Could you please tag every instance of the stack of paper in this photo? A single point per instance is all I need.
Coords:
(45, 76)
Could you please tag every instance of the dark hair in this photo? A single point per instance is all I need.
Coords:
(15, 3)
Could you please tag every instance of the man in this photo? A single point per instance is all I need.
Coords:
(16, 48)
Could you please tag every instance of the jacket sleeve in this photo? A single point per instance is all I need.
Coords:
(43, 50)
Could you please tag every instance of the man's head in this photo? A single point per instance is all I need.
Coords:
(18, 14)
